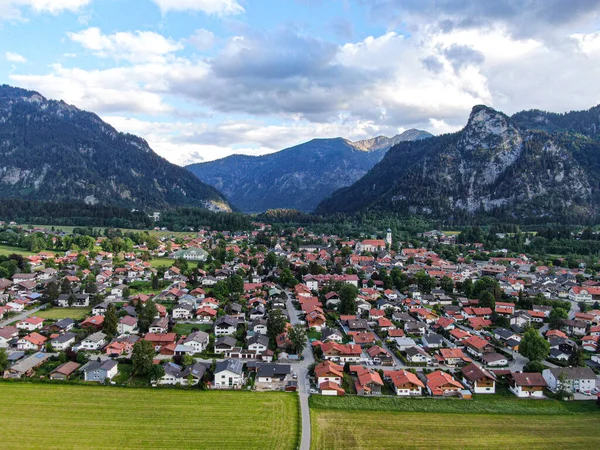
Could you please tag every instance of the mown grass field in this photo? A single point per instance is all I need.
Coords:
(6, 250)
(81, 417)
(186, 328)
(389, 423)
(61, 313)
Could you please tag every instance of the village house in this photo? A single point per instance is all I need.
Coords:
(577, 379)
(527, 384)
(100, 371)
(64, 371)
(442, 384)
(27, 366)
(367, 381)
(127, 324)
(93, 342)
(225, 325)
(229, 374)
(328, 371)
(479, 380)
(198, 341)
(64, 341)
(405, 383)
(30, 324)
(33, 341)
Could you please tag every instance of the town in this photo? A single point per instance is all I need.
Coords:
(296, 311)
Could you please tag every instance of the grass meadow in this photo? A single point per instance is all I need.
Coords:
(50, 416)
(497, 423)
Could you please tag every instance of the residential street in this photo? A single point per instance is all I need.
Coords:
(20, 316)
(303, 383)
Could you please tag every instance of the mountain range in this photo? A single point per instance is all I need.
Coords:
(533, 166)
(298, 177)
(50, 150)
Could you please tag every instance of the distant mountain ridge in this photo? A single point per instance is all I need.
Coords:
(298, 177)
(533, 166)
(50, 150)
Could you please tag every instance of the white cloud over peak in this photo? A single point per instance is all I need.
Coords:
(13, 9)
(211, 7)
(138, 46)
(15, 57)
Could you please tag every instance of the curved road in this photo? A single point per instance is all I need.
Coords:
(303, 383)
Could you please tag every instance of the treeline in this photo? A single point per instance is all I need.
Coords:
(71, 214)
(182, 218)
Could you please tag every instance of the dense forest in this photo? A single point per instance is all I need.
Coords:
(71, 213)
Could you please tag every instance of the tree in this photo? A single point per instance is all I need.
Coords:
(557, 317)
(4, 363)
(276, 323)
(487, 284)
(236, 283)
(187, 360)
(348, 294)
(111, 321)
(146, 315)
(65, 287)
(563, 388)
(468, 287)
(533, 346)
(156, 372)
(576, 359)
(487, 300)
(221, 290)
(270, 260)
(51, 292)
(534, 366)
(142, 356)
(447, 284)
(297, 337)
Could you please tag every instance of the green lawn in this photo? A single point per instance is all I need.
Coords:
(161, 262)
(52, 416)
(186, 328)
(346, 430)
(500, 422)
(61, 313)
(6, 250)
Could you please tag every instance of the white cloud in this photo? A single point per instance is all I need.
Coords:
(211, 7)
(139, 46)
(15, 57)
(202, 39)
(13, 9)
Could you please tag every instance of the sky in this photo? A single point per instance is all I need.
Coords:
(203, 79)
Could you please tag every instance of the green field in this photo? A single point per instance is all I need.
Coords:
(186, 328)
(390, 423)
(162, 262)
(6, 250)
(61, 313)
(167, 262)
(52, 416)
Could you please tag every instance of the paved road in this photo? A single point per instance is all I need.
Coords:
(20, 316)
(303, 383)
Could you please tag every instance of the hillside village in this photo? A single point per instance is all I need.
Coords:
(293, 310)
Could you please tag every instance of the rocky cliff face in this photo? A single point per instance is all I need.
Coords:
(298, 177)
(494, 166)
(50, 150)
